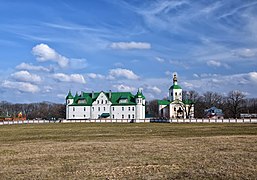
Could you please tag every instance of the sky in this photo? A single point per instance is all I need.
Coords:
(50, 47)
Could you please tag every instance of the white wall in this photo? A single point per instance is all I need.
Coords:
(79, 112)
(128, 112)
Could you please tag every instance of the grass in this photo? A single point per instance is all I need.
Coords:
(128, 151)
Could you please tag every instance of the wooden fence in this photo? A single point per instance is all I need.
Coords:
(246, 120)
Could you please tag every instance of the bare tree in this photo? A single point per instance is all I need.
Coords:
(235, 101)
(190, 98)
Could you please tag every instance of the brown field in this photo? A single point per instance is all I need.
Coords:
(128, 151)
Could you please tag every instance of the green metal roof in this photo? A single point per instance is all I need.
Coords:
(163, 102)
(69, 96)
(115, 98)
(140, 95)
(105, 115)
(175, 87)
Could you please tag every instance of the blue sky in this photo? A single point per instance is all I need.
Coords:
(50, 47)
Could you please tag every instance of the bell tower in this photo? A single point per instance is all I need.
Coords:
(175, 91)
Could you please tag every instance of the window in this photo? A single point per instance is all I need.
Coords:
(113, 116)
(97, 101)
(122, 116)
(129, 108)
(105, 101)
(102, 101)
(129, 116)
(174, 109)
(73, 108)
(82, 101)
(122, 108)
(133, 109)
(73, 115)
(113, 108)
(104, 108)
(176, 93)
(98, 108)
(133, 116)
(92, 108)
(84, 108)
(84, 115)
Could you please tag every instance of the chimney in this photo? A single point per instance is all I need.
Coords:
(93, 94)
(110, 94)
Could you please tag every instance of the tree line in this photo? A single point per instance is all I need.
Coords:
(42, 110)
(232, 105)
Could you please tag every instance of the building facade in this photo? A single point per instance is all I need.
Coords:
(175, 106)
(111, 105)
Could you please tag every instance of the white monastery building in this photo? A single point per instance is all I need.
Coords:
(175, 106)
(100, 105)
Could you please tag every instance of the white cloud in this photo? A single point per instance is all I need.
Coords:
(25, 76)
(44, 53)
(154, 89)
(95, 76)
(78, 63)
(61, 96)
(131, 45)
(161, 60)
(124, 88)
(214, 63)
(245, 53)
(21, 86)
(253, 76)
(47, 89)
(30, 67)
(123, 73)
(179, 63)
(76, 78)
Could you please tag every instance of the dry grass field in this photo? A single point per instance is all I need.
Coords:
(128, 151)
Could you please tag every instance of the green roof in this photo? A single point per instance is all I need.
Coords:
(140, 95)
(175, 87)
(115, 98)
(163, 102)
(69, 96)
(105, 115)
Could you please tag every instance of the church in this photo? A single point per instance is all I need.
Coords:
(102, 105)
(176, 106)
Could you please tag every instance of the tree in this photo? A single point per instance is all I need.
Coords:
(190, 98)
(152, 108)
(235, 101)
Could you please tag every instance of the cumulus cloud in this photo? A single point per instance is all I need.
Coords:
(21, 86)
(131, 45)
(124, 88)
(76, 78)
(44, 53)
(30, 67)
(25, 76)
(95, 76)
(122, 73)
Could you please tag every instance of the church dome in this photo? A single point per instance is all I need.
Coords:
(175, 87)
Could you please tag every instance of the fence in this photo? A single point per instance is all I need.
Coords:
(248, 120)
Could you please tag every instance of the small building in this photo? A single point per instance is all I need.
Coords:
(175, 106)
(213, 112)
(102, 105)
